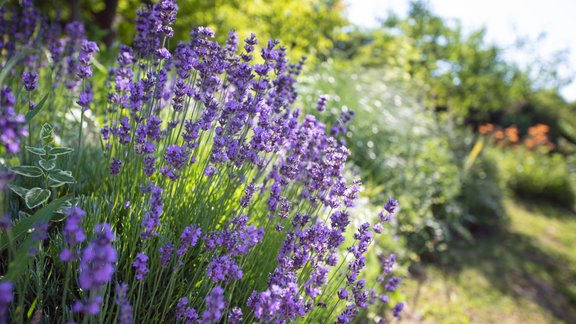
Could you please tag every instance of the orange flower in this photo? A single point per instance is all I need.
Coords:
(486, 128)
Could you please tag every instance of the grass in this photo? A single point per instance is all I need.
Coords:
(524, 274)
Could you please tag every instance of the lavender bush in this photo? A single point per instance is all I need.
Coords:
(216, 201)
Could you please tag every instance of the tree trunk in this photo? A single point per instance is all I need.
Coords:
(105, 20)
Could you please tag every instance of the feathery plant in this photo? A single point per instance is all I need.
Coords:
(221, 202)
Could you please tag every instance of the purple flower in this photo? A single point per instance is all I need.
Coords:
(224, 268)
(12, 125)
(30, 80)
(321, 104)
(89, 307)
(96, 268)
(184, 312)
(163, 53)
(318, 278)
(215, 305)
(125, 316)
(166, 252)
(85, 99)
(115, 166)
(98, 258)
(340, 220)
(5, 221)
(347, 315)
(343, 294)
(248, 194)
(140, 264)
(176, 156)
(188, 239)
(6, 297)
(390, 208)
(210, 170)
(397, 309)
(73, 233)
(153, 24)
(276, 303)
(235, 316)
(87, 51)
(393, 283)
(388, 263)
(151, 219)
(237, 238)
(40, 231)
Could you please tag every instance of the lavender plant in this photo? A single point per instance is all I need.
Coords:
(221, 201)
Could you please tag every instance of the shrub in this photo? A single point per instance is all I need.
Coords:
(403, 148)
(211, 199)
(538, 175)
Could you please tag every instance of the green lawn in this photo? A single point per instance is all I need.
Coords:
(525, 274)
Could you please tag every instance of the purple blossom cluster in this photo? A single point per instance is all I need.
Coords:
(125, 314)
(141, 265)
(360, 296)
(151, 219)
(30, 80)
(215, 306)
(96, 268)
(237, 238)
(224, 268)
(73, 233)
(6, 297)
(12, 124)
(185, 312)
(188, 239)
(68, 51)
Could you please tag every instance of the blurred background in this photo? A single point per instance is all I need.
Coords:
(464, 111)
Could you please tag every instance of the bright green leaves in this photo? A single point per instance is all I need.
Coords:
(56, 151)
(57, 178)
(28, 171)
(18, 190)
(37, 108)
(36, 197)
(47, 165)
(35, 150)
(47, 134)
(53, 178)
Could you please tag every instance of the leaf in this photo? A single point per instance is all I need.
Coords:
(60, 150)
(36, 197)
(47, 133)
(54, 183)
(47, 164)
(61, 176)
(44, 214)
(64, 207)
(37, 108)
(32, 308)
(18, 190)
(35, 150)
(28, 171)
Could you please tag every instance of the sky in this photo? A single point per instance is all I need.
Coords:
(505, 21)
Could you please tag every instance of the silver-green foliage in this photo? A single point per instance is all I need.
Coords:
(46, 170)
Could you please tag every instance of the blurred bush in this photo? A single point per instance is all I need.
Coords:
(412, 154)
(538, 175)
(482, 191)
